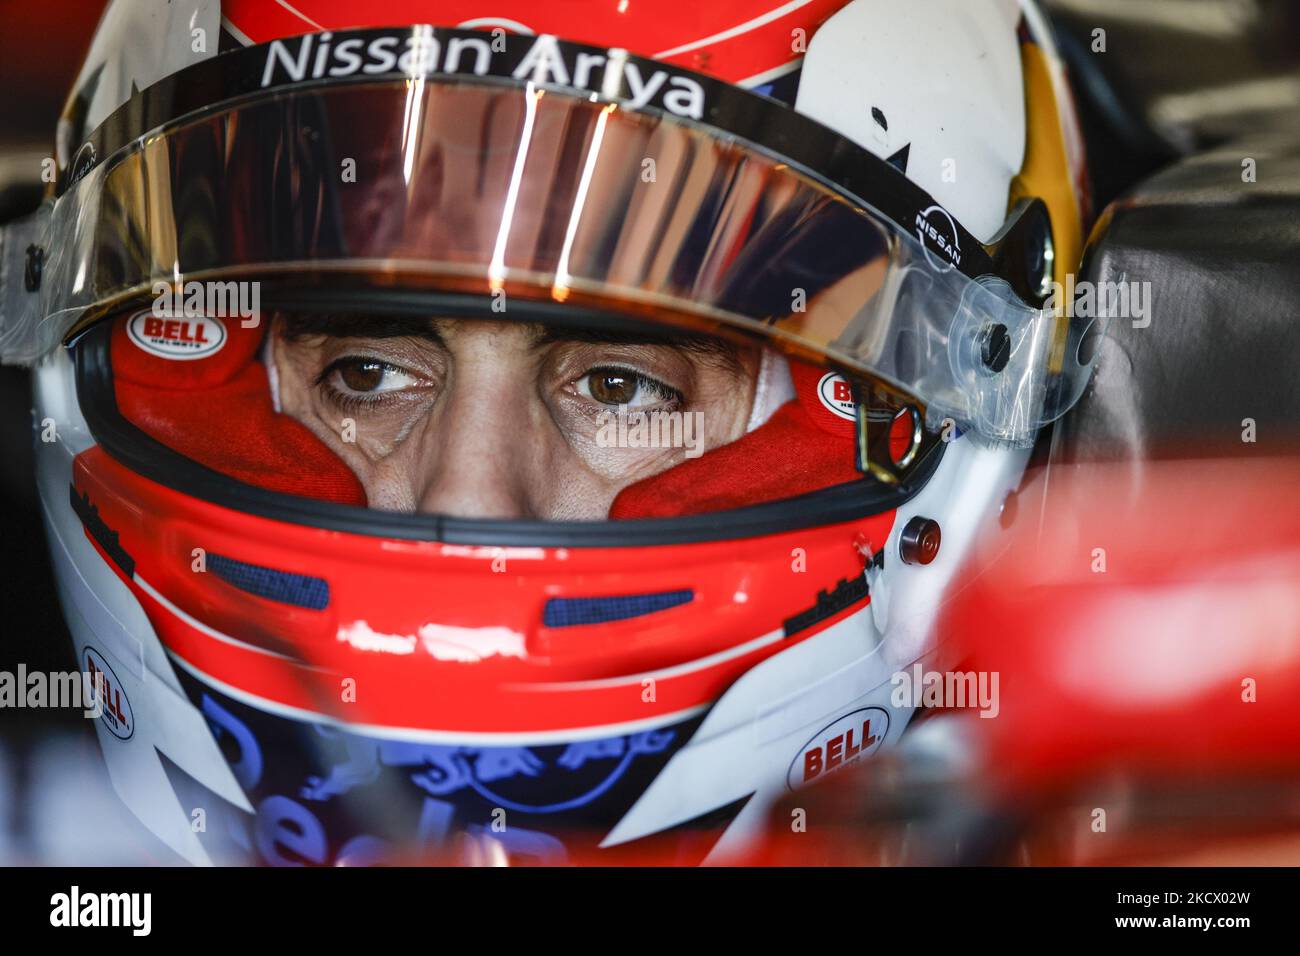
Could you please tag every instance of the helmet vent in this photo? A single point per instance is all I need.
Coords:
(572, 612)
(296, 589)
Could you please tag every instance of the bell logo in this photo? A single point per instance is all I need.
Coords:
(836, 394)
(108, 692)
(181, 339)
(834, 747)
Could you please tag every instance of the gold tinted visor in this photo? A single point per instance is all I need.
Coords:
(519, 193)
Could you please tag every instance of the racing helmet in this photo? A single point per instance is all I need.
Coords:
(874, 200)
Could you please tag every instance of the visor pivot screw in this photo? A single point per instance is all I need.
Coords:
(35, 263)
(919, 542)
(995, 347)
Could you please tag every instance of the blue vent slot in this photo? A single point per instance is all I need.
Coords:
(296, 589)
(571, 612)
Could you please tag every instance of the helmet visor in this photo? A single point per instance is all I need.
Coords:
(522, 194)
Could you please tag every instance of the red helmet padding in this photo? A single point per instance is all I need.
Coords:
(787, 456)
(217, 411)
(133, 364)
(803, 447)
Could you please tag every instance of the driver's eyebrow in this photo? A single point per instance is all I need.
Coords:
(355, 325)
(707, 345)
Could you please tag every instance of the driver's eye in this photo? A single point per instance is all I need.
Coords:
(616, 386)
(358, 375)
(362, 376)
(613, 388)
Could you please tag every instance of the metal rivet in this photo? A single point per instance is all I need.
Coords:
(919, 542)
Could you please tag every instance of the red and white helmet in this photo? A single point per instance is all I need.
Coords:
(878, 195)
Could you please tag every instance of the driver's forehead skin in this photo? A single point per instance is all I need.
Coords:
(484, 418)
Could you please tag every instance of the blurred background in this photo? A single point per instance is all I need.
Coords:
(49, 758)
(1180, 91)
